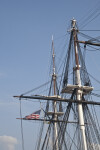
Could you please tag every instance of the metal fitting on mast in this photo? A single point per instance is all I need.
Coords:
(73, 23)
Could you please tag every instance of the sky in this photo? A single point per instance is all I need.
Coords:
(26, 28)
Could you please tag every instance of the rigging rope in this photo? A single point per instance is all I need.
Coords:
(36, 88)
(91, 20)
(89, 37)
(91, 49)
(96, 49)
(94, 94)
(94, 78)
(92, 14)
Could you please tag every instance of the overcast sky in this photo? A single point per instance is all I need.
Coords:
(26, 28)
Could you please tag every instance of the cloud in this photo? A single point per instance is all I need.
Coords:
(7, 142)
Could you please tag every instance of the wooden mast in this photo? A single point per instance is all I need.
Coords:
(54, 103)
(79, 92)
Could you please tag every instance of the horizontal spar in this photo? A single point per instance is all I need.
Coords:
(88, 42)
(55, 98)
(48, 120)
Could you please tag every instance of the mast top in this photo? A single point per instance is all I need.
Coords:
(52, 37)
(73, 22)
(53, 56)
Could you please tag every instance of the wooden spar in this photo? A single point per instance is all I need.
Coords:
(88, 42)
(51, 98)
(49, 120)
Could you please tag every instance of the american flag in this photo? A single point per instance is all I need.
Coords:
(35, 115)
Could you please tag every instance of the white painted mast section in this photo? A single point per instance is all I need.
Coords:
(79, 92)
(54, 103)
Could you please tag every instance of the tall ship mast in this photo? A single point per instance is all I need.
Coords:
(71, 123)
